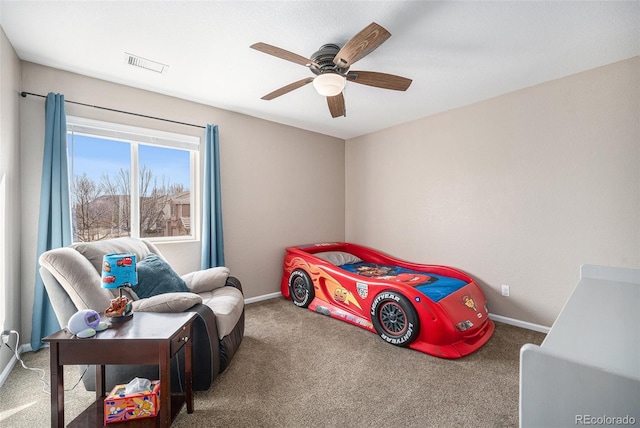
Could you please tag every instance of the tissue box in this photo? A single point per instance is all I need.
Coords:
(120, 407)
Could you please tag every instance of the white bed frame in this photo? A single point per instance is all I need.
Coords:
(587, 370)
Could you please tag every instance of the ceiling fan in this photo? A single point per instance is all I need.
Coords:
(331, 64)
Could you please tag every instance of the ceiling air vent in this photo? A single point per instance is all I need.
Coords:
(147, 64)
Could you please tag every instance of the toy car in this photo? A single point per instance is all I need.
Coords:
(433, 309)
(125, 261)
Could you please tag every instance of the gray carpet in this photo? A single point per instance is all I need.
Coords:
(296, 368)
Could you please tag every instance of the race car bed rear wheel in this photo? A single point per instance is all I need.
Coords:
(301, 288)
(394, 318)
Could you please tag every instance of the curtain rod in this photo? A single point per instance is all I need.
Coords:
(24, 95)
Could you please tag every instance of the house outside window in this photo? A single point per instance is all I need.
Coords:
(130, 181)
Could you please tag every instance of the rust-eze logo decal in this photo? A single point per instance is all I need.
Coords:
(363, 289)
(469, 303)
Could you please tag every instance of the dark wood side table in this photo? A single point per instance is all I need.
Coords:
(148, 338)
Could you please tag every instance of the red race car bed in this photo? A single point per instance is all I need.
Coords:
(433, 309)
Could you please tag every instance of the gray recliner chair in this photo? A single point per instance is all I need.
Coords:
(72, 278)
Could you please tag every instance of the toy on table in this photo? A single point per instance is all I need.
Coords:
(85, 323)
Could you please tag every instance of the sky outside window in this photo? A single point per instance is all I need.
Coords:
(98, 156)
(169, 165)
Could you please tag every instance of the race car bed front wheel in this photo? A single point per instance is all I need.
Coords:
(394, 318)
(301, 288)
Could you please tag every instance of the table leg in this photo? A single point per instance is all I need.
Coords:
(165, 383)
(57, 387)
(100, 382)
(187, 369)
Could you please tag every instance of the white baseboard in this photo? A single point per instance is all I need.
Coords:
(12, 362)
(7, 370)
(263, 297)
(522, 324)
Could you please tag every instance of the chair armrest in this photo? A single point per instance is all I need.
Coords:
(232, 281)
(167, 302)
(206, 279)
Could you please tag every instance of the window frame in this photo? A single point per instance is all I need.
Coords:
(135, 136)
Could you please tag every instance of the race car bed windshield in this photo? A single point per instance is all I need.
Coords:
(434, 286)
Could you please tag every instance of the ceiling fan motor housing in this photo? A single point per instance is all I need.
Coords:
(324, 58)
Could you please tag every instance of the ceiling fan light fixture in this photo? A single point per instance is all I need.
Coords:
(329, 84)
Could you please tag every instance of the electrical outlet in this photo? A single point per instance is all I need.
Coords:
(505, 290)
(5, 336)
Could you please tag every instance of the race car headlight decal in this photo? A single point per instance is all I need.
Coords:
(464, 325)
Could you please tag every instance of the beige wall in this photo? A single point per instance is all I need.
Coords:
(9, 193)
(280, 185)
(521, 189)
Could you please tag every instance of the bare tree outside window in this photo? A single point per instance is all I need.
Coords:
(89, 209)
(117, 193)
(155, 199)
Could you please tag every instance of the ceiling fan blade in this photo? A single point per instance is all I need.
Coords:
(360, 45)
(379, 80)
(336, 105)
(288, 88)
(283, 54)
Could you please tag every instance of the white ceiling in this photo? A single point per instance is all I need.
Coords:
(457, 53)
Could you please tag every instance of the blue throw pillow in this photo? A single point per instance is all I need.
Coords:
(155, 277)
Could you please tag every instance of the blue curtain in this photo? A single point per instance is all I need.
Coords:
(54, 227)
(212, 242)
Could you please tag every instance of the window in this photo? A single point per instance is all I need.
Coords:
(129, 181)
